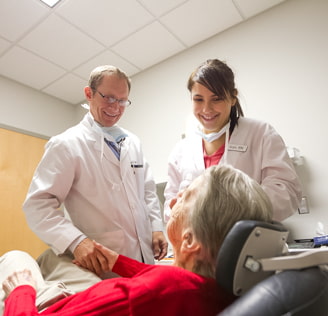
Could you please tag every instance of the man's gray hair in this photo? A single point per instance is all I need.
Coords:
(99, 72)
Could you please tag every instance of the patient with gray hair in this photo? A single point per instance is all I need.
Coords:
(201, 217)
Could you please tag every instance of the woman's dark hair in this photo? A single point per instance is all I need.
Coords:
(216, 76)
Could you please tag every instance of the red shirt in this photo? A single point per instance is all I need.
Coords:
(143, 290)
(214, 159)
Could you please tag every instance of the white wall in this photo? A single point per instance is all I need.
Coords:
(26, 109)
(280, 62)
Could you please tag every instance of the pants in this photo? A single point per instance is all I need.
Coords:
(47, 292)
(59, 277)
(54, 268)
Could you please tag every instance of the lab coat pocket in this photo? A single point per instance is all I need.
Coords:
(138, 171)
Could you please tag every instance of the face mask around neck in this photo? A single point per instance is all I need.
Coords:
(213, 136)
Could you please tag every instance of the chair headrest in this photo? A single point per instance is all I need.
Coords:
(246, 239)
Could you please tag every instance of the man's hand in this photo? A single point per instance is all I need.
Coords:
(18, 278)
(86, 255)
(159, 245)
(110, 255)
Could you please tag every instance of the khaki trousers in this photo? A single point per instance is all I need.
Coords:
(47, 292)
(56, 276)
(54, 268)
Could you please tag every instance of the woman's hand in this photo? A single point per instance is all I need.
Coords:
(18, 278)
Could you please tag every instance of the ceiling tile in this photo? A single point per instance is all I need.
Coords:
(68, 47)
(197, 20)
(159, 8)
(4, 45)
(249, 8)
(68, 88)
(105, 58)
(29, 69)
(19, 17)
(149, 46)
(39, 45)
(107, 21)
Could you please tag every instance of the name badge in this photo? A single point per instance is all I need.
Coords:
(240, 148)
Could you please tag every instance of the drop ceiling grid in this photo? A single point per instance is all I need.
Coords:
(52, 49)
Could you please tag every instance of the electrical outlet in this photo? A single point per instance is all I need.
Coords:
(304, 207)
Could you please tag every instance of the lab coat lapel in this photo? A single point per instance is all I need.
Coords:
(124, 148)
(197, 153)
(125, 158)
(100, 145)
(99, 142)
(109, 155)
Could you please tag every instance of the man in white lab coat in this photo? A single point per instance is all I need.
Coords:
(97, 171)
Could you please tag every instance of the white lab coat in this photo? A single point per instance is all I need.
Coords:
(254, 148)
(107, 200)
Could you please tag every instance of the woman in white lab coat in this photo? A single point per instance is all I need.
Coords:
(98, 172)
(224, 136)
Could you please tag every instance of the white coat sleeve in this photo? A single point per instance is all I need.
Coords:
(50, 185)
(279, 178)
(151, 199)
(174, 179)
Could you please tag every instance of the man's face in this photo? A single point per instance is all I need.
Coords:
(104, 113)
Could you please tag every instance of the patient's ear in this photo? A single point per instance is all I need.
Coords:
(189, 243)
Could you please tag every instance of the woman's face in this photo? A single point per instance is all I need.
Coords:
(212, 111)
(180, 207)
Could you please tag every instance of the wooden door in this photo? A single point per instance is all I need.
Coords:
(19, 156)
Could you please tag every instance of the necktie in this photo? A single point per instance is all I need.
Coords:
(113, 147)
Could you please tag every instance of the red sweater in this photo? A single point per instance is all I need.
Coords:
(143, 290)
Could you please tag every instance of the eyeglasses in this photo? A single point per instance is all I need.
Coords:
(112, 100)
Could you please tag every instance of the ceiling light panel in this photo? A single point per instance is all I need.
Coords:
(50, 3)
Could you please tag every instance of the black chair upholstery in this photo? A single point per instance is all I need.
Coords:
(302, 292)
(293, 292)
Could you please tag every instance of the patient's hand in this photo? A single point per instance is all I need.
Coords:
(18, 278)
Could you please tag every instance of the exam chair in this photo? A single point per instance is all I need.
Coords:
(254, 265)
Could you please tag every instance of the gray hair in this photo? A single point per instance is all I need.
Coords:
(99, 72)
(228, 196)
